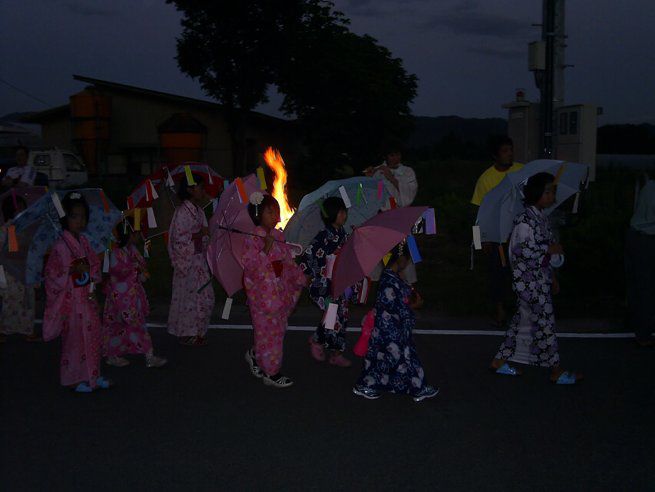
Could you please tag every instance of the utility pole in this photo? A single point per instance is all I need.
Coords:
(550, 80)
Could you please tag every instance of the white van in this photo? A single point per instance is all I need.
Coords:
(64, 169)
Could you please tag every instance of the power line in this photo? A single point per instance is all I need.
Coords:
(18, 89)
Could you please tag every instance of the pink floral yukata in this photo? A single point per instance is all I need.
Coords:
(273, 283)
(71, 312)
(126, 305)
(190, 310)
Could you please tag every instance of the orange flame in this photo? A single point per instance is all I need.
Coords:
(276, 163)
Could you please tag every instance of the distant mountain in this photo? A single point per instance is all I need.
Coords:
(430, 131)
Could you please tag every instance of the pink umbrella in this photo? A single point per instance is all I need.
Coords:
(369, 243)
(229, 227)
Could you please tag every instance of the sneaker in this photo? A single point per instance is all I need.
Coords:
(155, 361)
(337, 359)
(83, 388)
(427, 392)
(278, 381)
(117, 361)
(368, 393)
(252, 362)
(316, 349)
(104, 383)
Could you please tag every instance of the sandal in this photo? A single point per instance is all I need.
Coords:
(505, 370)
(567, 378)
(104, 383)
(83, 388)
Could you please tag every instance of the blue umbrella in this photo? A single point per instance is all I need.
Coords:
(38, 227)
(502, 204)
(363, 194)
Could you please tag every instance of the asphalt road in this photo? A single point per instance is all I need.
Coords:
(204, 423)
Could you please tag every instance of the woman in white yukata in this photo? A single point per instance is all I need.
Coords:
(530, 338)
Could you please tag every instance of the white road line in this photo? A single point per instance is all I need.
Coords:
(484, 333)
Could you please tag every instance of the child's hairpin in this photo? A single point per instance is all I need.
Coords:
(256, 199)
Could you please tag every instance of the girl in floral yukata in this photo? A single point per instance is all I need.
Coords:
(273, 282)
(71, 309)
(530, 338)
(126, 304)
(16, 299)
(190, 310)
(323, 248)
(391, 362)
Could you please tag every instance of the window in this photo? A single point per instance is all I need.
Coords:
(573, 123)
(563, 123)
(73, 163)
(42, 160)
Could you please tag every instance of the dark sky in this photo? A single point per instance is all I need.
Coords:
(469, 55)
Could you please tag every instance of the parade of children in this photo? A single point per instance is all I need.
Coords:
(93, 273)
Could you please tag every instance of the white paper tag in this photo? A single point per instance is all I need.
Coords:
(152, 223)
(331, 316)
(57, 203)
(575, 203)
(227, 308)
(105, 262)
(329, 265)
(3, 278)
(169, 179)
(345, 197)
(154, 191)
(92, 287)
(363, 295)
(477, 241)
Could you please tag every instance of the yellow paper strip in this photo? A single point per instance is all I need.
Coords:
(262, 178)
(137, 219)
(189, 176)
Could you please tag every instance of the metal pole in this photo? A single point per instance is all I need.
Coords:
(548, 35)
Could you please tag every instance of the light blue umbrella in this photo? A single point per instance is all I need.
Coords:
(365, 203)
(38, 227)
(502, 204)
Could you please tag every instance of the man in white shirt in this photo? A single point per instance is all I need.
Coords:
(21, 174)
(400, 181)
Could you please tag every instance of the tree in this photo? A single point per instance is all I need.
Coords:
(349, 94)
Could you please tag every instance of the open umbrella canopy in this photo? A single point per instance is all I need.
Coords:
(38, 227)
(366, 198)
(369, 243)
(158, 193)
(18, 198)
(502, 204)
(229, 227)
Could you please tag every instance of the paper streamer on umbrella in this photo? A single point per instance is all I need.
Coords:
(189, 176)
(130, 203)
(137, 219)
(345, 197)
(152, 223)
(13, 240)
(477, 237)
(576, 203)
(363, 293)
(329, 265)
(146, 248)
(392, 203)
(227, 307)
(169, 179)
(430, 221)
(262, 177)
(413, 249)
(380, 185)
(105, 262)
(209, 176)
(386, 258)
(57, 204)
(3, 278)
(243, 196)
(105, 203)
(331, 316)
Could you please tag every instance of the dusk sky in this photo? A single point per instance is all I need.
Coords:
(469, 55)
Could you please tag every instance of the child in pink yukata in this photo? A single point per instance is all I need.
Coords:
(126, 303)
(273, 282)
(71, 309)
